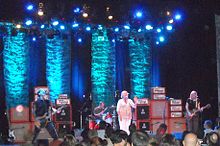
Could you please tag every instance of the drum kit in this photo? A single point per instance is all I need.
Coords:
(109, 116)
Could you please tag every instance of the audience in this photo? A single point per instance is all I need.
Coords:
(207, 127)
(212, 139)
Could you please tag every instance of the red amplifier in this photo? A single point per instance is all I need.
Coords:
(159, 109)
(19, 114)
(176, 102)
(158, 96)
(158, 90)
(176, 108)
(176, 114)
(177, 125)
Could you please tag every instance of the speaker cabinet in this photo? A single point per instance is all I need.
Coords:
(63, 128)
(177, 125)
(159, 109)
(155, 123)
(143, 125)
(21, 132)
(65, 115)
(19, 114)
(142, 112)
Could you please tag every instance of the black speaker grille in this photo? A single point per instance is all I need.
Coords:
(64, 115)
(142, 112)
(145, 125)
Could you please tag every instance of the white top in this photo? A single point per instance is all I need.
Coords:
(124, 108)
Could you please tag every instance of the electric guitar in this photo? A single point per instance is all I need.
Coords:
(43, 120)
(195, 112)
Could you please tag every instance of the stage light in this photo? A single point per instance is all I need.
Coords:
(116, 29)
(113, 40)
(177, 16)
(42, 26)
(62, 27)
(169, 27)
(139, 14)
(28, 22)
(158, 30)
(127, 27)
(76, 10)
(34, 39)
(139, 30)
(148, 27)
(88, 28)
(30, 7)
(55, 23)
(79, 40)
(100, 27)
(18, 26)
(40, 12)
(157, 42)
(171, 21)
(168, 13)
(85, 15)
(161, 39)
(75, 25)
(110, 17)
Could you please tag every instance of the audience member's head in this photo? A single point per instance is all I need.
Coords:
(132, 128)
(116, 139)
(108, 131)
(168, 140)
(139, 139)
(212, 139)
(190, 139)
(207, 124)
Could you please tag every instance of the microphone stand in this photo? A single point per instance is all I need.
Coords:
(81, 112)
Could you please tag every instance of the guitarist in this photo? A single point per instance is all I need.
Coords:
(42, 110)
(192, 105)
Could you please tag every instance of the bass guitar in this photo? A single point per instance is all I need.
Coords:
(195, 112)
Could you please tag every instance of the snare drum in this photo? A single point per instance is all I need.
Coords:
(92, 124)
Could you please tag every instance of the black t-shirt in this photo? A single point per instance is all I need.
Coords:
(41, 107)
(192, 103)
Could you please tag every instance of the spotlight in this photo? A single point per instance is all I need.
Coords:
(100, 27)
(76, 10)
(139, 14)
(110, 17)
(34, 39)
(127, 27)
(161, 39)
(75, 25)
(168, 13)
(42, 26)
(171, 21)
(113, 40)
(177, 16)
(85, 15)
(28, 22)
(79, 40)
(55, 23)
(18, 26)
(169, 27)
(139, 30)
(30, 7)
(62, 27)
(40, 12)
(149, 27)
(88, 28)
(116, 29)
(157, 42)
(158, 30)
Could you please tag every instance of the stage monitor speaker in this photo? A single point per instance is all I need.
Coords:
(155, 123)
(142, 112)
(143, 125)
(65, 115)
(159, 109)
(177, 125)
(19, 114)
(63, 128)
(21, 132)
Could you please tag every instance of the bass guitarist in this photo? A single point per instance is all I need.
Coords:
(192, 110)
(42, 112)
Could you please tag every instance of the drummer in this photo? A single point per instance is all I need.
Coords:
(99, 110)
